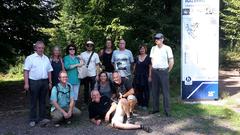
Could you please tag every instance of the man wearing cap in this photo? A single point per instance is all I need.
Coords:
(122, 60)
(93, 66)
(162, 63)
(37, 80)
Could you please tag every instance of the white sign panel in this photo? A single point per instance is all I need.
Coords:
(200, 48)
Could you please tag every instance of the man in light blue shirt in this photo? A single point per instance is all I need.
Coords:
(122, 60)
(62, 98)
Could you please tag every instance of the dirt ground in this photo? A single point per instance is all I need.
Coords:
(14, 116)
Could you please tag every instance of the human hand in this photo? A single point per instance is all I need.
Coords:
(98, 122)
(149, 79)
(107, 116)
(26, 87)
(65, 115)
(50, 86)
(120, 95)
(97, 78)
(70, 114)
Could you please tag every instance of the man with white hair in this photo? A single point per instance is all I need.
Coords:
(37, 80)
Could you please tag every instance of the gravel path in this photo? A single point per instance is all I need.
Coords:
(14, 112)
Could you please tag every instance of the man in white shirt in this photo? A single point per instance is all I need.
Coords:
(93, 69)
(37, 80)
(162, 63)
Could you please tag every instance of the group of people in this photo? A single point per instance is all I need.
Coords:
(116, 82)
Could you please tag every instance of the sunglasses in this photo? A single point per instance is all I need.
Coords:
(71, 49)
(89, 45)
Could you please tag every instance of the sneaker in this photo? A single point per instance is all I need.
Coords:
(168, 114)
(153, 112)
(145, 108)
(146, 129)
(69, 122)
(44, 122)
(32, 123)
(57, 125)
(131, 114)
(130, 120)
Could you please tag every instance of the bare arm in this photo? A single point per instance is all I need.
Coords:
(130, 92)
(71, 106)
(62, 64)
(56, 105)
(150, 73)
(112, 109)
(170, 63)
(50, 80)
(26, 83)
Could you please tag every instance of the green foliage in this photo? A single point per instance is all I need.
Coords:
(19, 26)
(15, 72)
(230, 23)
(135, 21)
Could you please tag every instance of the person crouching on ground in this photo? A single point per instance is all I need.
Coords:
(124, 90)
(62, 98)
(102, 107)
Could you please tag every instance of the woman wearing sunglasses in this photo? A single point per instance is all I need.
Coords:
(71, 62)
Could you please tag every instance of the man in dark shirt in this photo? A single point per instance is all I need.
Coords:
(125, 90)
(100, 108)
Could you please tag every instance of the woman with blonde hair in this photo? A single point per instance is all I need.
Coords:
(57, 64)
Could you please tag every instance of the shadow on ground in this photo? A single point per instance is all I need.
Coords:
(186, 119)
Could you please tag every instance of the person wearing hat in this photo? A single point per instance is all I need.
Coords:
(93, 66)
(162, 63)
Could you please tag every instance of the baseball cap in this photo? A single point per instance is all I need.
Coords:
(89, 42)
(158, 36)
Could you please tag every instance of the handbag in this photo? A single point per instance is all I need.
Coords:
(83, 70)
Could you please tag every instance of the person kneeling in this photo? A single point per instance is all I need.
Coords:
(62, 98)
(102, 107)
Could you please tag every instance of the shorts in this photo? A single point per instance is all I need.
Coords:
(131, 97)
(119, 115)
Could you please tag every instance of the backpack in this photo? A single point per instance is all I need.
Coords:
(63, 93)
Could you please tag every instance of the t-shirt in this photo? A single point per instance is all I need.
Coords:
(99, 110)
(105, 90)
(92, 64)
(124, 87)
(160, 56)
(122, 61)
(63, 96)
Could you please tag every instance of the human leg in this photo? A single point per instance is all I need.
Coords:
(92, 82)
(165, 90)
(86, 90)
(145, 96)
(34, 90)
(42, 99)
(75, 91)
(155, 90)
(57, 116)
(132, 101)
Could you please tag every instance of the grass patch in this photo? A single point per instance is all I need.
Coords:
(211, 112)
